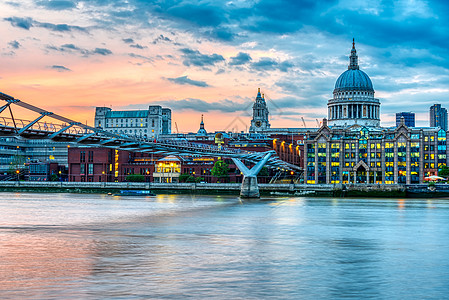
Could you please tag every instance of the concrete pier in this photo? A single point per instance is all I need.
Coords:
(250, 188)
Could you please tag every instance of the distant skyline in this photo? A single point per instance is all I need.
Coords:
(198, 57)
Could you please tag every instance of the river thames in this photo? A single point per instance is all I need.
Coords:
(90, 246)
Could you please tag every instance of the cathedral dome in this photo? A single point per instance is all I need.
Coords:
(353, 99)
(353, 79)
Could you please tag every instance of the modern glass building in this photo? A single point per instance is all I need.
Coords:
(409, 118)
(438, 116)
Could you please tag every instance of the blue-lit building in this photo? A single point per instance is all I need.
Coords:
(438, 116)
(409, 119)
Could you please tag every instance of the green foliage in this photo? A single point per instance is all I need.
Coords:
(135, 178)
(54, 177)
(444, 171)
(189, 178)
(220, 169)
(184, 177)
(431, 183)
(263, 172)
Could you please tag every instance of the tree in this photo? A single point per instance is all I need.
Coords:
(263, 172)
(444, 171)
(199, 179)
(184, 177)
(220, 169)
(189, 178)
(135, 178)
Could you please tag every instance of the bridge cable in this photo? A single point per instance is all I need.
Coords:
(13, 120)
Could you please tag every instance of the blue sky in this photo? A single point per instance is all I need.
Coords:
(209, 57)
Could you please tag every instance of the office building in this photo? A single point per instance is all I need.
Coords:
(438, 116)
(409, 119)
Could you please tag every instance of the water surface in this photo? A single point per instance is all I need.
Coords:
(78, 246)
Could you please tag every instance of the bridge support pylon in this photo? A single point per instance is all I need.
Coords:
(250, 188)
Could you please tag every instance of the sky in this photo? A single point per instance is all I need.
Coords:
(210, 57)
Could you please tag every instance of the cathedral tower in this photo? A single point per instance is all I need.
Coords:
(259, 121)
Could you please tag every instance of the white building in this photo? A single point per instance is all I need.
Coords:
(142, 123)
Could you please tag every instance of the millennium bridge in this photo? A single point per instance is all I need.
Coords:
(64, 130)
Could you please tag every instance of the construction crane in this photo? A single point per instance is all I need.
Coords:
(176, 127)
(304, 122)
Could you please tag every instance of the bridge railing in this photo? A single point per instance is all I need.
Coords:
(41, 126)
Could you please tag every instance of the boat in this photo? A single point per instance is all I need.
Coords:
(135, 193)
(431, 191)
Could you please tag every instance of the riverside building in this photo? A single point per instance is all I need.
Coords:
(148, 123)
(351, 147)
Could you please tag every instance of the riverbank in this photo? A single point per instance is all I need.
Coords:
(331, 190)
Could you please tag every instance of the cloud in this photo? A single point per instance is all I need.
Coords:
(85, 52)
(24, 23)
(138, 46)
(240, 59)
(226, 106)
(57, 4)
(59, 27)
(128, 40)
(14, 44)
(102, 51)
(195, 58)
(269, 64)
(27, 23)
(60, 68)
(133, 55)
(202, 15)
(184, 80)
(161, 38)
(221, 33)
(15, 4)
(70, 48)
